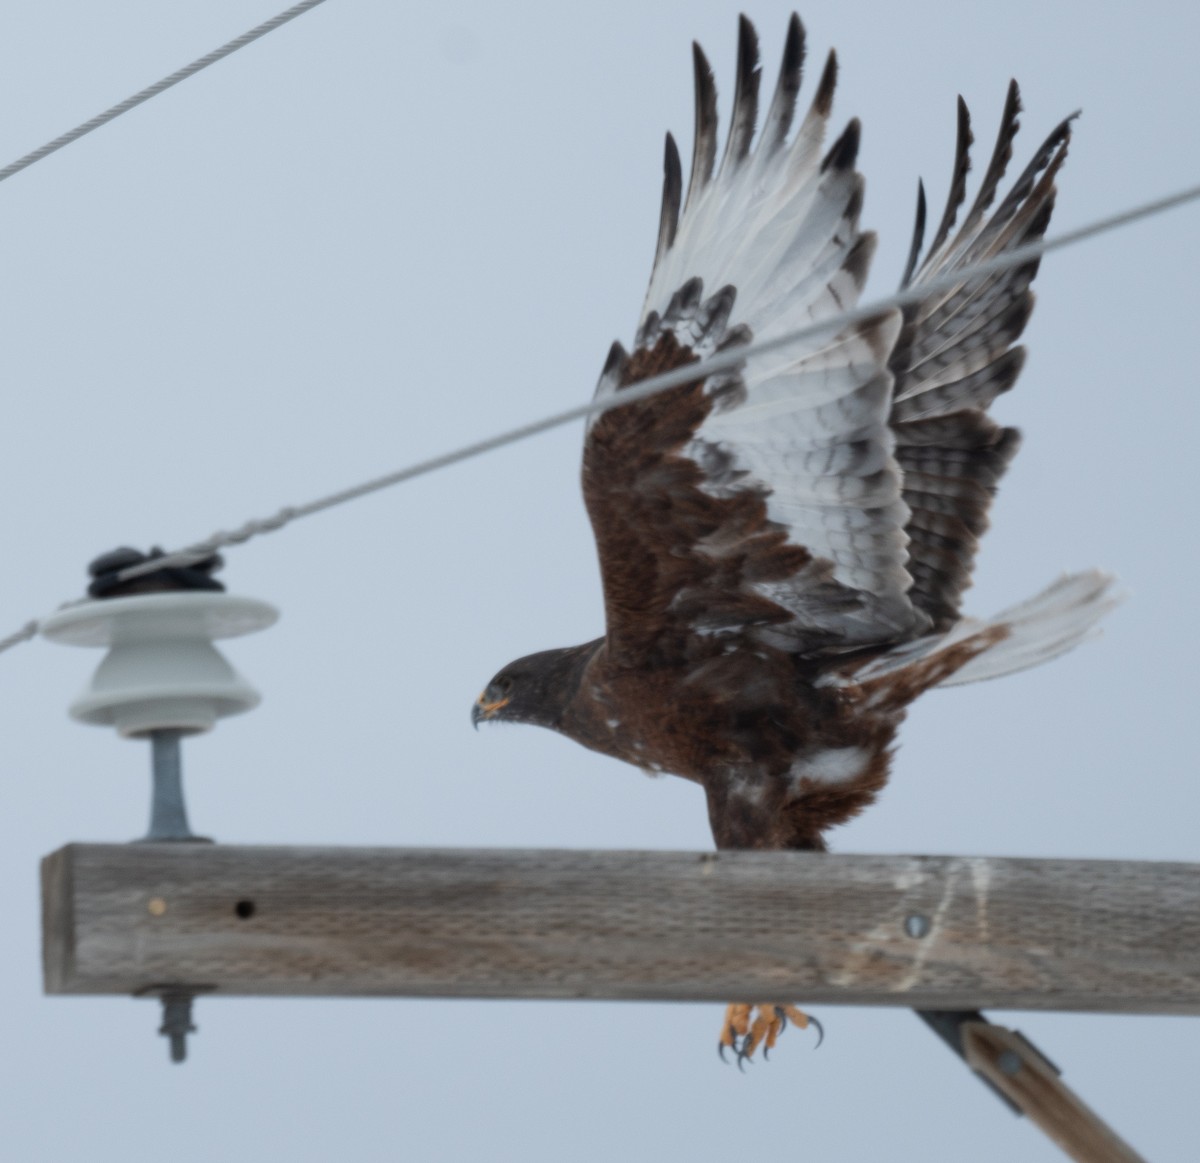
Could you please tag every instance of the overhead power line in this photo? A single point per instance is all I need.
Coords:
(137, 99)
(30, 629)
(641, 391)
(651, 387)
(202, 549)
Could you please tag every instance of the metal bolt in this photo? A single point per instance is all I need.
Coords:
(916, 925)
(168, 815)
(177, 1021)
(1009, 1062)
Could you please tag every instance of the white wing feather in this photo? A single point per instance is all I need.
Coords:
(780, 226)
(819, 430)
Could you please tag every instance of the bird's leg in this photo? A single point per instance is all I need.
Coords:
(744, 1035)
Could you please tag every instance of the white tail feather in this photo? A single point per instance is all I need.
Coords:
(1063, 615)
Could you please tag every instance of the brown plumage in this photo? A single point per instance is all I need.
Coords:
(784, 546)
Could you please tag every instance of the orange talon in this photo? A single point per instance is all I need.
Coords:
(776, 1027)
(768, 1023)
(758, 1030)
(799, 1017)
(737, 1022)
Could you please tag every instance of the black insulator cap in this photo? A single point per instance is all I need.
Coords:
(106, 570)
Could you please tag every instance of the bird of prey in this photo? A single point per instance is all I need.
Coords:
(784, 545)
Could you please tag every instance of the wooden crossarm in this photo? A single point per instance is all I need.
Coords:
(945, 933)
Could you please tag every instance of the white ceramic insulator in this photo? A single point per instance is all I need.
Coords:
(162, 670)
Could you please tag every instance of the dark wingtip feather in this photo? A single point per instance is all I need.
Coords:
(1012, 99)
(844, 152)
(1050, 156)
(1001, 155)
(617, 358)
(745, 98)
(704, 147)
(823, 100)
(668, 221)
(747, 41)
(858, 261)
(914, 251)
(793, 49)
(958, 180)
(1061, 133)
(791, 73)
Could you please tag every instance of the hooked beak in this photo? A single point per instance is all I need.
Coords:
(483, 709)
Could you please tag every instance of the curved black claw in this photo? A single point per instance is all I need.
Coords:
(742, 1056)
(820, 1031)
(721, 1053)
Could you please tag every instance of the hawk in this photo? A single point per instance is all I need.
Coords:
(784, 545)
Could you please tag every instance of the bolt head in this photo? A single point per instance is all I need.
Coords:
(916, 925)
(1009, 1062)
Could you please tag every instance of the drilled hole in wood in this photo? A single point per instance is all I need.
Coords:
(244, 909)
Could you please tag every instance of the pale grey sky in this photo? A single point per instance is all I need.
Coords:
(386, 230)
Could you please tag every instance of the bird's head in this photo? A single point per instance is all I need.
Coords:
(534, 689)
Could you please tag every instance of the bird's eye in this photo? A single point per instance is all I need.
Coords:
(503, 684)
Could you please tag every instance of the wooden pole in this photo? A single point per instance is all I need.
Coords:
(1029, 1084)
(1024, 1076)
(936, 933)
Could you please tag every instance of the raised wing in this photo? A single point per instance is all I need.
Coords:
(956, 355)
(765, 501)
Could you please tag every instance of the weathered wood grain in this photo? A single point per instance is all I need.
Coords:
(915, 931)
(1019, 1072)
